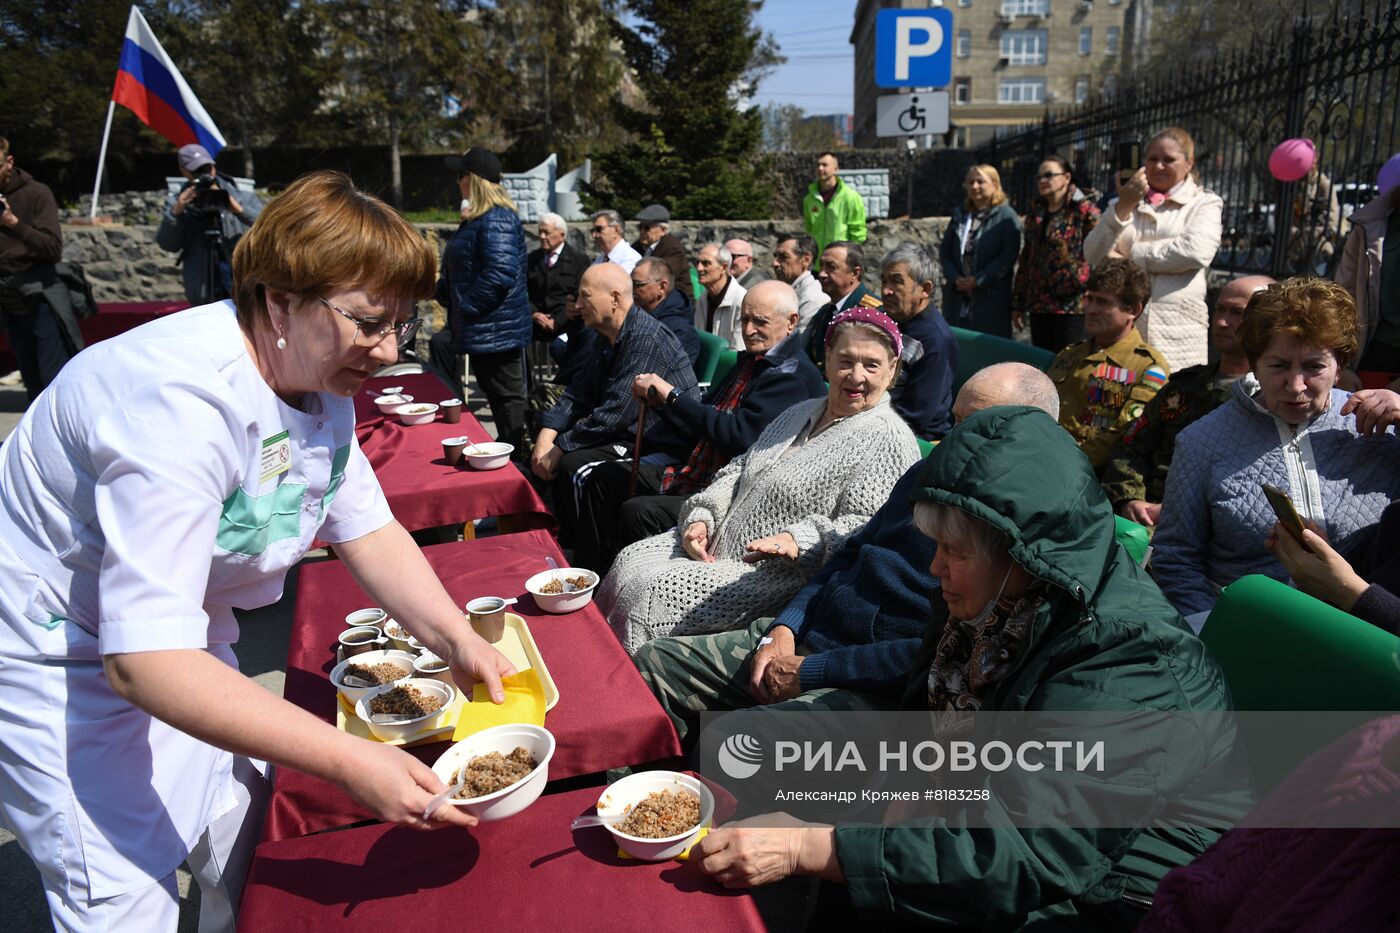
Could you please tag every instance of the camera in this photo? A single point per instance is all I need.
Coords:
(207, 196)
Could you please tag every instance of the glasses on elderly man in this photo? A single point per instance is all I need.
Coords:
(371, 331)
(600, 228)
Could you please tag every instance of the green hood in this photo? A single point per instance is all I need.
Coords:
(1020, 472)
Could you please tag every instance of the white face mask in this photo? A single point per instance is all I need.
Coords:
(981, 617)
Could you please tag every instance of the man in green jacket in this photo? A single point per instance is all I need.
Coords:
(832, 210)
(1041, 610)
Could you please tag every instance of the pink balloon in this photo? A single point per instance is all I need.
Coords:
(1292, 159)
(1389, 175)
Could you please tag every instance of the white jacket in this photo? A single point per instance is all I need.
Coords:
(1174, 243)
(726, 315)
(810, 299)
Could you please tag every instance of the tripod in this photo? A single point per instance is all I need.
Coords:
(216, 257)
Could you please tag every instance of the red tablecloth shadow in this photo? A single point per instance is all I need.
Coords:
(112, 318)
(423, 491)
(606, 717)
(528, 872)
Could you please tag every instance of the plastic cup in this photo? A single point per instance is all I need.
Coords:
(354, 641)
(452, 448)
(451, 410)
(488, 617)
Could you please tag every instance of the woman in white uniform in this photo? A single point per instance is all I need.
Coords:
(167, 476)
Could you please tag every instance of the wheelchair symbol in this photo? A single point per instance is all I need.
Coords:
(911, 119)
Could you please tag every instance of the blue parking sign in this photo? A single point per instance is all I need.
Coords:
(914, 48)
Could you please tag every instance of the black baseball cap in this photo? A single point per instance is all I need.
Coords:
(476, 161)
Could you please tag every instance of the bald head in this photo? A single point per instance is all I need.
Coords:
(1228, 314)
(605, 297)
(1007, 384)
(768, 315)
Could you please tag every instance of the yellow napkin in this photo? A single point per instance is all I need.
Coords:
(683, 857)
(524, 703)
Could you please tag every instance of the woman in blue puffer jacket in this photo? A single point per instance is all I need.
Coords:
(483, 288)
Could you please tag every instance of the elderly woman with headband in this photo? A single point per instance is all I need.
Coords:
(168, 476)
(747, 542)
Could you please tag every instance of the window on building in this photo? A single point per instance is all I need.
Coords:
(1081, 89)
(1110, 85)
(1024, 47)
(964, 47)
(964, 2)
(1025, 7)
(1114, 2)
(1021, 91)
(962, 90)
(1086, 40)
(1110, 42)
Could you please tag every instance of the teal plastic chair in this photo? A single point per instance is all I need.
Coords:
(711, 347)
(1135, 538)
(978, 351)
(726, 361)
(1281, 649)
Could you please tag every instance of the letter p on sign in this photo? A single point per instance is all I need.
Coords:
(912, 48)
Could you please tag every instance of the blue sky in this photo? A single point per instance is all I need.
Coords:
(814, 35)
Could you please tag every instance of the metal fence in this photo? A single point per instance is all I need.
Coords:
(1335, 81)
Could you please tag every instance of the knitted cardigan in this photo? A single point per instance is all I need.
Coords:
(1214, 515)
(819, 493)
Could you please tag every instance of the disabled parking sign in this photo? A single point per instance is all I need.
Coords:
(913, 48)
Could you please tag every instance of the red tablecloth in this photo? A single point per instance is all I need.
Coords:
(528, 872)
(423, 491)
(605, 717)
(112, 318)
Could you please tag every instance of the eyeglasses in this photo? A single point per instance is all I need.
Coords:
(733, 256)
(600, 229)
(636, 285)
(1046, 176)
(371, 331)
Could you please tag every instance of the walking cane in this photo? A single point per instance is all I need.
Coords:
(637, 448)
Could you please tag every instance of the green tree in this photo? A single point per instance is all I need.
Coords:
(695, 137)
(553, 71)
(403, 63)
(57, 69)
(256, 77)
(787, 128)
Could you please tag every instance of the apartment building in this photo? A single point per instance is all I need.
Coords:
(1011, 59)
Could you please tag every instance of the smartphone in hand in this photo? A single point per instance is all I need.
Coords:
(1288, 516)
(1127, 159)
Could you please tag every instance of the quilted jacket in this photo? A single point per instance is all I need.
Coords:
(483, 284)
(1175, 242)
(1215, 517)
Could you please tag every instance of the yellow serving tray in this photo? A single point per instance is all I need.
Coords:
(516, 643)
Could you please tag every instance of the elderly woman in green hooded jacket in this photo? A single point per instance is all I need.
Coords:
(1042, 611)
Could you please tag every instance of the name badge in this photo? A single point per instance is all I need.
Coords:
(276, 457)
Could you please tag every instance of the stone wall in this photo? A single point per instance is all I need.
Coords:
(872, 184)
(123, 263)
(937, 176)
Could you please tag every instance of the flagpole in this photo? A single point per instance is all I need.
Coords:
(101, 159)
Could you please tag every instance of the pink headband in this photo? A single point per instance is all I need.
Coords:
(865, 315)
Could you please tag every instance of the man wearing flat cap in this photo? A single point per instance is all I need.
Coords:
(656, 241)
(203, 221)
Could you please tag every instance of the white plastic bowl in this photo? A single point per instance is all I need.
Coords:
(393, 629)
(387, 403)
(562, 602)
(372, 616)
(370, 658)
(390, 731)
(488, 456)
(504, 739)
(417, 413)
(633, 789)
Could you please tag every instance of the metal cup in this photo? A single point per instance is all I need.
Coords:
(360, 639)
(488, 617)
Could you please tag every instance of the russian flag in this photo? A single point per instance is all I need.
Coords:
(150, 86)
